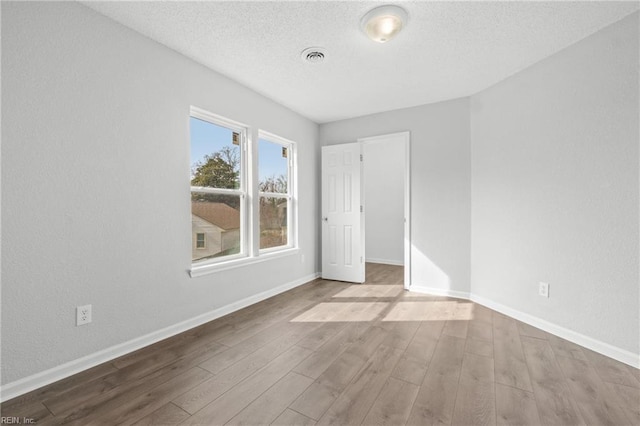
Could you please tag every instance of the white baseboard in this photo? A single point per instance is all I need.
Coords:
(385, 261)
(439, 291)
(27, 384)
(606, 349)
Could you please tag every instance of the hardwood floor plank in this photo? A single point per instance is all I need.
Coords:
(475, 401)
(224, 408)
(436, 399)
(323, 392)
(34, 410)
(30, 404)
(456, 328)
(354, 403)
(161, 348)
(481, 314)
(318, 397)
(413, 365)
(464, 311)
(515, 407)
(321, 359)
(480, 330)
(167, 415)
(383, 274)
(564, 348)
(629, 400)
(268, 406)
(227, 358)
(610, 370)
(66, 401)
(151, 350)
(596, 402)
(418, 309)
(410, 369)
(322, 335)
(635, 372)
(401, 334)
(393, 405)
(479, 347)
(530, 331)
(510, 366)
(126, 410)
(324, 312)
(556, 404)
(254, 315)
(428, 332)
(79, 408)
(369, 290)
(211, 389)
(266, 321)
(369, 340)
(293, 418)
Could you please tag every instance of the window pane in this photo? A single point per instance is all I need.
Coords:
(215, 155)
(215, 225)
(273, 222)
(273, 167)
(200, 240)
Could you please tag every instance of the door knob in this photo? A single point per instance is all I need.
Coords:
(326, 219)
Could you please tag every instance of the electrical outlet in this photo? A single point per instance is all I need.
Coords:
(543, 289)
(83, 315)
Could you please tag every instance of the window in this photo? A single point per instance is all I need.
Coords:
(274, 184)
(200, 241)
(218, 195)
(227, 206)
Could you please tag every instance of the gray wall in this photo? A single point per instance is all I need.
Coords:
(440, 185)
(384, 172)
(95, 186)
(555, 188)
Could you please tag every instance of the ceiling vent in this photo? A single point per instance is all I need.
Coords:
(313, 55)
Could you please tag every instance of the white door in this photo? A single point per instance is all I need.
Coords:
(342, 220)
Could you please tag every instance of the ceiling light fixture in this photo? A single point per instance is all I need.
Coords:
(383, 23)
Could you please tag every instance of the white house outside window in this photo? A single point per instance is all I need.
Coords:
(218, 188)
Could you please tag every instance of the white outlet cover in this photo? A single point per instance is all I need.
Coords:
(543, 289)
(83, 315)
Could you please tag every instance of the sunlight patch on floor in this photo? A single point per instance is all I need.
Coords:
(342, 312)
(430, 311)
(463, 311)
(365, 290)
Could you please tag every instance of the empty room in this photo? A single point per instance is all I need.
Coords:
(320, 212)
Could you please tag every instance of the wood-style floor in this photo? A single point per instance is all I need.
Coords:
(329, 352)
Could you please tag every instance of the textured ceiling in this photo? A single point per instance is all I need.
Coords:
(447, 50)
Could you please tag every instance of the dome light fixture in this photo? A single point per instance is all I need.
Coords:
(384, 23)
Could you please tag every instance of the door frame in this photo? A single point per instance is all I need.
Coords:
(405, 139)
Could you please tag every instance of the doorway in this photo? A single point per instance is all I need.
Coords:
(366, 201)
(386, 200)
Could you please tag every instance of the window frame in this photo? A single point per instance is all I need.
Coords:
(204, 240)
(250, 252)
(290, 195)
(241, 191)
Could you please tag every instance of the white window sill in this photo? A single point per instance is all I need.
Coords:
(209, 268)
